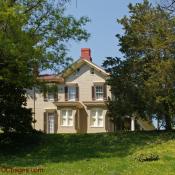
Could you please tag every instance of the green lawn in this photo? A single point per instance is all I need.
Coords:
(88, 154)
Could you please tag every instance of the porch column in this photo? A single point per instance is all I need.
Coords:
(78, 118)
(132, 123)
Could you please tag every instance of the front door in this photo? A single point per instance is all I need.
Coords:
(51, 123)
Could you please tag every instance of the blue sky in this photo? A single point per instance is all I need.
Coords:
(103, 26)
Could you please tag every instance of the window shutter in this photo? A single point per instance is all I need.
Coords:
(45, 96)
(45, 122)
(66, 93)
(56, 96)
(93, 93)
(56, 122)
(77, 93)
(104, 92)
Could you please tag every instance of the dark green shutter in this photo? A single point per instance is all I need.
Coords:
(66, 93)
(77, 93)
(93, 93)
(104, 92)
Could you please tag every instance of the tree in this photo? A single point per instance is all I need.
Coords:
(126, 86)
(33, 36)
(168, 5)
(148, 47)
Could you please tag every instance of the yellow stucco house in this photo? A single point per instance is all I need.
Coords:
(79, 106)
(79, 103)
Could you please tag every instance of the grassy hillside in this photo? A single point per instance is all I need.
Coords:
(88, 154)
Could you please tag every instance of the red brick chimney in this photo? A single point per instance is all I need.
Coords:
(86, 54)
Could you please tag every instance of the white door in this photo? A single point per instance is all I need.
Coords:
(51, 123)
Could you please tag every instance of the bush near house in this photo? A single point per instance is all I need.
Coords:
(87, 154)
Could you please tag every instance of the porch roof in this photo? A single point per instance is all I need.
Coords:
(94, 103)
(51, 78)
(75, 104)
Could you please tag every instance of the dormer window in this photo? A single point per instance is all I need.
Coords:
(92, 70)
(77, 72)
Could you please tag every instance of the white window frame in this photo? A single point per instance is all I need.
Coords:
(66, 117)
(70, 88)
(50, 96)
(99, 92)
(96, 117)
(50, 114)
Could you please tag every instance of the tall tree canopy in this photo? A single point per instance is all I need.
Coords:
(168, 5)
(33, 35)
(146, 75)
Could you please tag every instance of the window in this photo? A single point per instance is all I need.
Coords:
(50, 96)
(71, 93)
(50, 93)
(51, 123)
(99, 92)
(77, 72)
(66, 117)
(92, 70)
(96, 119)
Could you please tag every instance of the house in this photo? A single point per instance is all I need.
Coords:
(76, 101)
(79, 103)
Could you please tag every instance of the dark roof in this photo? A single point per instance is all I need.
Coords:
(51, 78)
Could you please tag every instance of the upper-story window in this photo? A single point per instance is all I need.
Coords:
(51, 93)
(50, 96)
(99, 91)
(71, 93)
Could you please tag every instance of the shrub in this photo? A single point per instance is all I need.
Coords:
(143, 157)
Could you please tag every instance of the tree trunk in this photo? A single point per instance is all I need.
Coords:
(119, 124)
(158, 122)
(168, 122)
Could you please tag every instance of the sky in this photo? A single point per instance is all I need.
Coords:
(103, 26)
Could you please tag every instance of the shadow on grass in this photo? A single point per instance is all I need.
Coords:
(38, 149)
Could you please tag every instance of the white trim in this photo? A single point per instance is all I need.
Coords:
(97, 67)
(50, 94)
(50, 129)
(78, 64)
(102, 93)
(132, 123)
(96, 118)
(71, 88)
(67, 118)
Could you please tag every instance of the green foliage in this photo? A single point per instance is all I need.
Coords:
(126, 86)
(144, 157)
(87, 154)
(33, 36)
(14, 117)
(143, 83)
